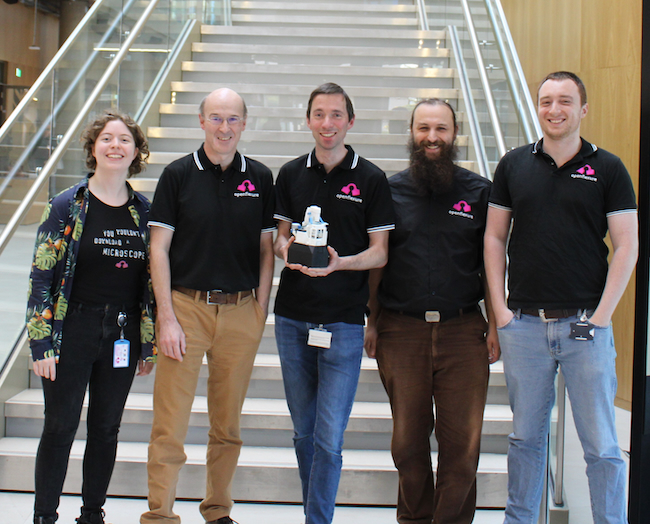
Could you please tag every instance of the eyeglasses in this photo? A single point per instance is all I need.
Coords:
(232, 120)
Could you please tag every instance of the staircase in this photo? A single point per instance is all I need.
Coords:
(274, 55)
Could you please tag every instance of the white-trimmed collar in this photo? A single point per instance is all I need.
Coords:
(199, 165)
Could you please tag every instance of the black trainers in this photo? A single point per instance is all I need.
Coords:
(45, 520)
(222, 520)
(91, 518)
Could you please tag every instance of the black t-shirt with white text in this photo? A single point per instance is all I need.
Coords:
(112, 257)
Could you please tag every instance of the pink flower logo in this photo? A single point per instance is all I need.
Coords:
(463, 206)
(351, 189)
(246, 185)
(587, 170)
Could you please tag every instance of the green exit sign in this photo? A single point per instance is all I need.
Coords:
(19, 72)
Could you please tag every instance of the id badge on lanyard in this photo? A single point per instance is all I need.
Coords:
(319, 337)
(121, 347)
(583, 329)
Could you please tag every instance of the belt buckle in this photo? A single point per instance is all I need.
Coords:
(432, 316)
(542, 315)
(208, 296)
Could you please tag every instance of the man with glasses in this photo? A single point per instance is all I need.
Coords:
(211, 266)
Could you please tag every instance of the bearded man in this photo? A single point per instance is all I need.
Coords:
(425, 327)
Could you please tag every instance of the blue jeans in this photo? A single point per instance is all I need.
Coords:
(320, 385)
(532, 350)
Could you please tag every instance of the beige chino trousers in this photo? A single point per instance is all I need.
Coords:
(229, 336)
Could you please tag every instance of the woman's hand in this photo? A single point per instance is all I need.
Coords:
(144, 368)
(46, 368)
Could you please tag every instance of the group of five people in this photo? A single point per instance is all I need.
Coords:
(417, 253)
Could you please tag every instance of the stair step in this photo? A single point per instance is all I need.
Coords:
(257, 413)
(263, 474)
(265, 416)
(369, 3)
(291, 143)
(305, 74)
(275, 162)
(325, 20)
(331, 33)
(320, 7)
(301, 137)
(319, 50)
(399, 113)
(303, 91)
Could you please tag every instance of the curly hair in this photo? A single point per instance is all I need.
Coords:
(94, 128)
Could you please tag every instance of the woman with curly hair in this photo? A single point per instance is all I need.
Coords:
(89, 313)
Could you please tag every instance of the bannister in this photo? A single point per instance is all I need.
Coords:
(475, 128)
(13, 355)
(558, 479)
(150, 97)
(515, 90)
(489, 98)
(63, 100)
(73, 130)
(18, 111)
(516, 64)
(423, 19)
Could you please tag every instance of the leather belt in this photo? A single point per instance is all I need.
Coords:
(552, 314)
(214, 296)
(441, 316)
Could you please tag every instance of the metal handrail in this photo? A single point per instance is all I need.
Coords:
(543, 505)
(520, 72)
(227, 12)
(475, 128)
(514, 89)
(558, 480)
(150, 97)
(555, 483)
(27, 151)
(422, 15)
(489, 98)
(13, 355)
(72, 132)
(48, 69)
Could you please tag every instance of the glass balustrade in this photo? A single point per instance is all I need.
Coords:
(45, 114)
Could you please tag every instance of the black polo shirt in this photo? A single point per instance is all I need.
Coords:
(355, 200)
(435, 256)
(558, 257)
(217, 218)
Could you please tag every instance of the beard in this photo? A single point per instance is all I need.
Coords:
(432, 176)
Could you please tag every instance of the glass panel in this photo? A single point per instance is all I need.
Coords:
(26, 145)
(508, 95)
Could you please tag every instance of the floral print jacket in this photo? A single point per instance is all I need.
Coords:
(52, 274)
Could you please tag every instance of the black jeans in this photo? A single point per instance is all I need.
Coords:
(86, 360)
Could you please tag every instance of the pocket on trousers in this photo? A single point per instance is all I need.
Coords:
(510, 322)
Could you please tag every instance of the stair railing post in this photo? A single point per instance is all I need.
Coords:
(423, 19)
(470, 107)
(489, 98)
(543, 507)
(558, 478)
